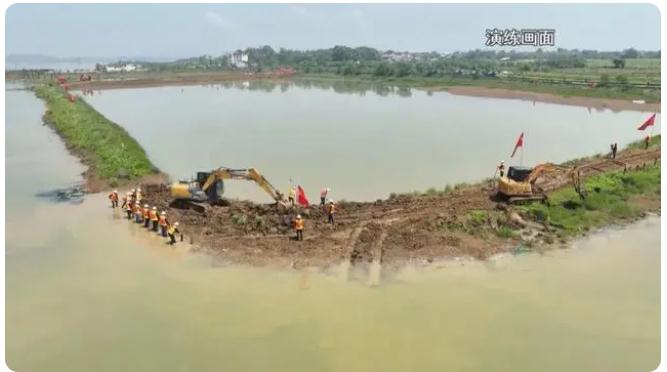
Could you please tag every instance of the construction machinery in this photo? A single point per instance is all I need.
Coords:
(519, 183)
(209, 188)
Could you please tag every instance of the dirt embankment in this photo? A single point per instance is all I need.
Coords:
(590, 102)
(176, 79)
(467, 222)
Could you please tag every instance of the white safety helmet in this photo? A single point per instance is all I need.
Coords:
(116, 191)
(298, 216)
(154, 208)
(145, 205)
(331, 201)
(163, 213)
(175, 223)
(133, 190)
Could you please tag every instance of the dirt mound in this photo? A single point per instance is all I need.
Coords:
(416, 228)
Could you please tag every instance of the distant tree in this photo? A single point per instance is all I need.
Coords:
(383, 69)
(630, 53)
(619, 63)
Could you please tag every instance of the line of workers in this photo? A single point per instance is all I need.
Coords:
(151, 218)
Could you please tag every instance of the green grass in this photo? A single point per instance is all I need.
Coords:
(608, 200)
(104, 146)
(655, 142)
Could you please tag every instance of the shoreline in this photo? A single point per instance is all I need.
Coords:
(153, 80)
(425, 228)
(460, 221)
(112, 158)
(612, 104)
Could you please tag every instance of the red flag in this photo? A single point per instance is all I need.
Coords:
(650, 121)
(519, 143)
(301, 196)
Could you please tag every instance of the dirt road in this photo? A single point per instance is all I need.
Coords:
(405, 228)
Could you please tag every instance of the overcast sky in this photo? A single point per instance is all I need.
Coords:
(171, 30)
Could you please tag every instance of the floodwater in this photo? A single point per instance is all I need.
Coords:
(363, 142)
(87, 291)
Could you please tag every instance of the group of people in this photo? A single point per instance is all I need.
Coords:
(328, 206)
(151, 218)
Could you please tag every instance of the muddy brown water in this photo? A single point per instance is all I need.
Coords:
(86, 291)
(364, 142)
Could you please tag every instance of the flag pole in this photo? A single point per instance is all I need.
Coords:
(523, 147)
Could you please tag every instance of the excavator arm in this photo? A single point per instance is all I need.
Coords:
(250, 174)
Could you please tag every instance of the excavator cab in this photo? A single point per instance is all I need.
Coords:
(519, 174)
(209, 187)
(215, 192)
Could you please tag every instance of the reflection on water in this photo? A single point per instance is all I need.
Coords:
(363, 146)
(87, 291)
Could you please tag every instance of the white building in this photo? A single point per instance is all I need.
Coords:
(238, 59)
(126, 67)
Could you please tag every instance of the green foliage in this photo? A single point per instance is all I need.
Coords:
(477, 218)
(239, 219)
(655, 142)
(106, 147)
(505, 232)
(607, 201)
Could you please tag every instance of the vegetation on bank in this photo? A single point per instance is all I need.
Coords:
(610, 197)
(563, 89)
(627, 74)
(107, 149)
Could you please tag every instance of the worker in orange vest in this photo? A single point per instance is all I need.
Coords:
(113, 196)
(331, 209)
(146, 215)
(138, 213)
(154, 218)
(162, 221)
(298, 226)
(129, 205)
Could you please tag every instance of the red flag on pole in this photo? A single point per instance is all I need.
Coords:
(649, 122)
(301, 196)
(519, 143)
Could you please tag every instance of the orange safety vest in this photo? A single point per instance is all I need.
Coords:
(138, 210)
(163, 220)
(113, 196)
(146, 213)
(298, 224)
(153, 215)
(331, 209)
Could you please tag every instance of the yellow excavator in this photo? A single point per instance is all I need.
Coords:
(209, 187)
(519, 183)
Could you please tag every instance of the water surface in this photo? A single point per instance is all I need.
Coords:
(86, 291)
(364, 142)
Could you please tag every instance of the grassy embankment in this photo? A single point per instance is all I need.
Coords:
(558, 89)
(612, 197)
(111, 154)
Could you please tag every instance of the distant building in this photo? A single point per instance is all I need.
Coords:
(238, 59)
(122, 67)
(393, 56)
